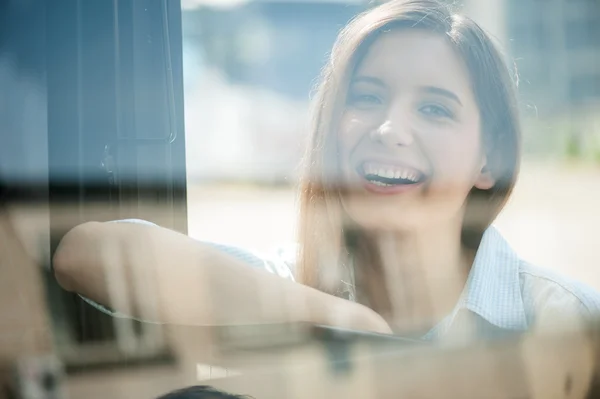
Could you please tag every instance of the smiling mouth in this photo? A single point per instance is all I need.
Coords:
(390, 175)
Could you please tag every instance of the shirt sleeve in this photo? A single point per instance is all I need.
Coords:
(557, 301)
(280, 263)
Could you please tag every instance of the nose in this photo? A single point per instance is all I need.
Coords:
(393, 134)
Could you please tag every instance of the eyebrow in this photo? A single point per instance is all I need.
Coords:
(427, 89)
(368, 79)
(441, 92)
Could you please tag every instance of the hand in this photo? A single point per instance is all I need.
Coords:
(353, 316)
(374, 322)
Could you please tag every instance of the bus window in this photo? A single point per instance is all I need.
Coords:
(249, 70)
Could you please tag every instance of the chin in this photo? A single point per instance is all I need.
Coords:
(368, 216)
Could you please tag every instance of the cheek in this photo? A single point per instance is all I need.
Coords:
(351, 130)
(457, 159)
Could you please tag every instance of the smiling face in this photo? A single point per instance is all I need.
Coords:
(410, 145)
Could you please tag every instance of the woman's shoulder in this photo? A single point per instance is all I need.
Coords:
(546, 293)
(539, 294)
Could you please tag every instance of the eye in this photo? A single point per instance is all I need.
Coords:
(436, 111)
(364, 100)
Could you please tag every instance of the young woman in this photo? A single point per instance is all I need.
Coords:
(414, 151)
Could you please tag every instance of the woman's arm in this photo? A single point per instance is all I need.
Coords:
(158, 274)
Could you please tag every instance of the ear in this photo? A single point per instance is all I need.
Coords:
(484, 180)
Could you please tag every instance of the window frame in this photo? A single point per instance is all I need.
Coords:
(116, 150)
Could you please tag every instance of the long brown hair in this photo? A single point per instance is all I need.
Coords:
(324, 243)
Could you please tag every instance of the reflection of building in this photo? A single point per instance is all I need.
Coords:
(555, 45)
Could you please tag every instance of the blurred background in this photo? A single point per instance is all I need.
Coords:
(193, 114)
(249, 67)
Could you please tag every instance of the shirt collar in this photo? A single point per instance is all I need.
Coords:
(493, 289)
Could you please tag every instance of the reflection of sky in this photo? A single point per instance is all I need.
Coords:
(192, 64)
(191, 4)
(280, 46)
(300, 37)
(248, 73)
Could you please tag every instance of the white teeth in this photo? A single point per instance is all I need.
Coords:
(390, 173)
(378, 183)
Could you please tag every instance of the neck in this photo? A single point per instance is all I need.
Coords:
(424, 272)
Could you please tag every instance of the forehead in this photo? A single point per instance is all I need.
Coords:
(413, 57)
